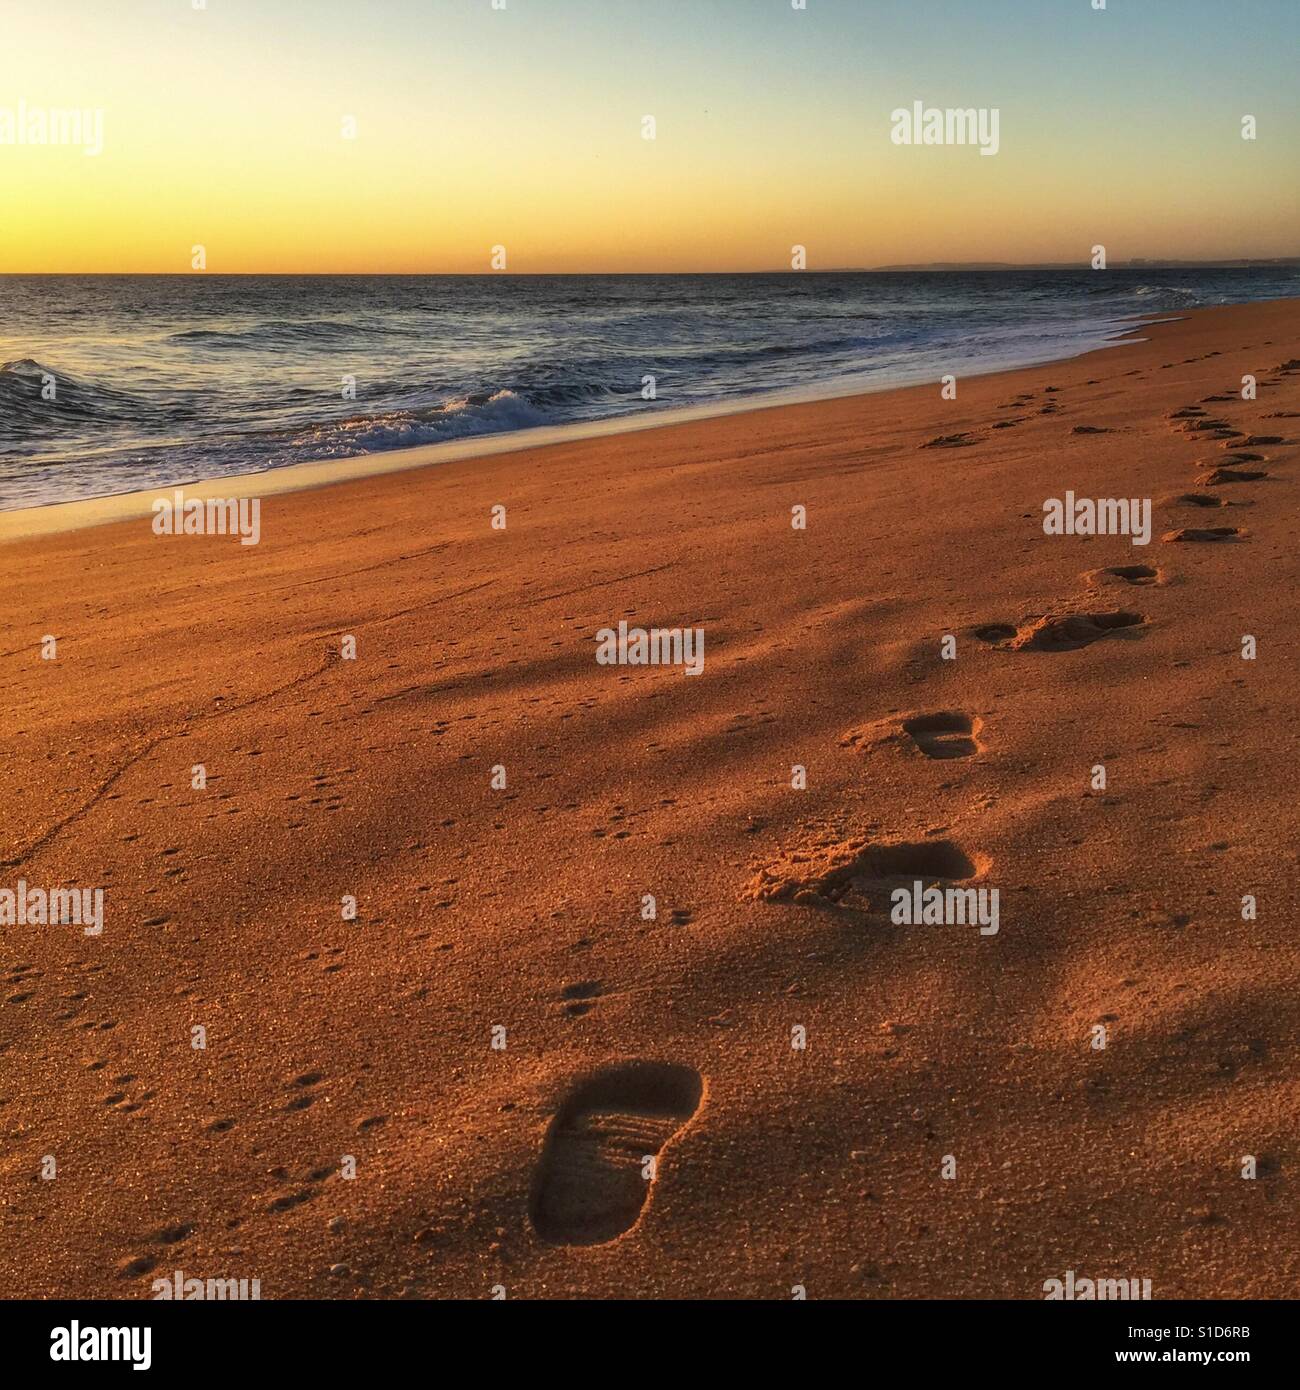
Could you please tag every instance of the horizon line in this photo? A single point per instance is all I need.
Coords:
(929, 267)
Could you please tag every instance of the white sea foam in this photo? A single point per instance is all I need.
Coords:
(404, 429)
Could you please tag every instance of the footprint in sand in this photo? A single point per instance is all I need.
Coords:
(1216, 429)
(913, 859)
(821, 873)
(948, 734)
(952, 441)
(944, 734)
(1210, 533)
(596, 1170)
(576, 999)
(1071, 631)
(1058, 632)
(1230, 475)
(1125, 574)
(1194, 499)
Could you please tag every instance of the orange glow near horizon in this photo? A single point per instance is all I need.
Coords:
(225, 129)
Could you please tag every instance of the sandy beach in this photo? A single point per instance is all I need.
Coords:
(510, 1069)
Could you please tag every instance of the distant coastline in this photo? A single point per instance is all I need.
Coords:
(1274, 263)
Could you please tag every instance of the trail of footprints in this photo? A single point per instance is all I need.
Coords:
(601, 1151)
(824, 872)
(828, 870)
(1237, 465)
(591, 1184)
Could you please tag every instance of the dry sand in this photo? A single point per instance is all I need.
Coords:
(521, 908)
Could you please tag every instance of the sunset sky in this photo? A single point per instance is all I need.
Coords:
(523, 127)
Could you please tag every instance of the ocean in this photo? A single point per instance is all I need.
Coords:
(113, 384)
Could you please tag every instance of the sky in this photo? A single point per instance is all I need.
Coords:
(522, 127)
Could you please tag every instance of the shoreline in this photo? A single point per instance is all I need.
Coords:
(20, 523)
